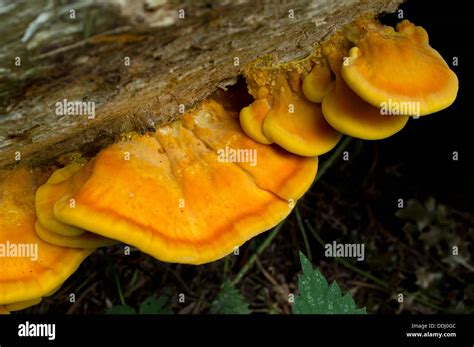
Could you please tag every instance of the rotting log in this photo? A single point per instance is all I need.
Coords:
(179, 53)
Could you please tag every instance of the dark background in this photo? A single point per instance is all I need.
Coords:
(426, 145)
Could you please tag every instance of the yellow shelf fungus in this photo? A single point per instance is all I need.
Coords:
(175, 197)
(274, 169)
(281, 113)
(297, 124)
(47, 194)
(346, 111)
(252, 118)
(62, 183)
(399, 70)
(318, 83)
(29, 267)
(197, 188)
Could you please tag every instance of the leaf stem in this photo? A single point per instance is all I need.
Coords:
(119, 288)
(303, 232)
(226, 265)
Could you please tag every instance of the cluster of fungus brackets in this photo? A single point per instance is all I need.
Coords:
(366, 82)
(197, 188)
(174, 197)
(169, 193)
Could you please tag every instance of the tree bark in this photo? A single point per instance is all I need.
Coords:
(173, 61)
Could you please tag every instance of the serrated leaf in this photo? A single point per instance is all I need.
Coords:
(349, 303)
(155, 305)
(317, 297)
(229, 301)
(120, 309)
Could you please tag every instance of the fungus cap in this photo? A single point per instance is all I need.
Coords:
(219, 128)
(86, 240)
(400, 67)
(25, 278)
(21, 305)
(318, 82)
(251, 120)
(62, 183)
(175, 198)
(297, 124)
(346, 112)
(18, 306)
(48, 193)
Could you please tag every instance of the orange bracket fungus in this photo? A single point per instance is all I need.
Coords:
(292, 121)
(47, 194)
(61, 183)
(197, 188)
(252, 118)
(318, 82)
(346, 111)
(400, 71)
(219, 129)
(29, 267)
(181, 198)
(297, 124)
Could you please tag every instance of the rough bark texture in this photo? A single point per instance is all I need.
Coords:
(173, 61)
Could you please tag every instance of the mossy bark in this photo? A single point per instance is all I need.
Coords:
(173, 61)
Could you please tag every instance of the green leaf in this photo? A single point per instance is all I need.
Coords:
(229, 301)
(155, 305)
(151, 305)
(120, 309)
(318, 297)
